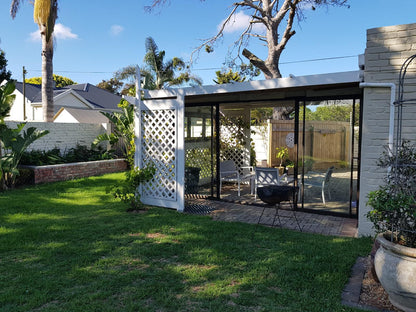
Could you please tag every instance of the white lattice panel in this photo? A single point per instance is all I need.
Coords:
(159, 148)
(235, 141)
(240, 156)
(159, 129)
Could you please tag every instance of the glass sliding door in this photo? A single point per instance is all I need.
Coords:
(200, 151)
(329, 155)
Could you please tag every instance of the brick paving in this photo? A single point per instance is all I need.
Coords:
(310, 223)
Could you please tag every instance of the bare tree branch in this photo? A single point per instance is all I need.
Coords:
(270, 13)
(219, 34)
(259, 63)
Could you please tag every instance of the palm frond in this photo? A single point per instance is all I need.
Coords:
(128, 72)
(14, 7)
(41, 11)
(151, 46)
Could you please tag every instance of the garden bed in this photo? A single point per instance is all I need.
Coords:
(69, 171)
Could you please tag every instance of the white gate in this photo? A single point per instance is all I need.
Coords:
(160, 142)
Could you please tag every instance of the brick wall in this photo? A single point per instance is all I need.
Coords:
(63, 135)
(62, 172)
(387, 49)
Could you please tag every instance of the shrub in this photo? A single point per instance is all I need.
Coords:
(41, 158)
(394, 204)
(127, 190)
(79, 153)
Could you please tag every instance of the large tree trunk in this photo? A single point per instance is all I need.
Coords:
(47, 77)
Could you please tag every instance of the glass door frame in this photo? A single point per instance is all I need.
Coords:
(300, 104)
(214, 143)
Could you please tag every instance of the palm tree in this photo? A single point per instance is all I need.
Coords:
(45, 13)
(156, 73)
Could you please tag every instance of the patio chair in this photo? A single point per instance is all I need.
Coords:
(266, 176)
(229, 172)
(323, 184)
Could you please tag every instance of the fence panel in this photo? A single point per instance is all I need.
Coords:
(325, 141)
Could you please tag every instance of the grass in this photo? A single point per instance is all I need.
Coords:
(69, 246)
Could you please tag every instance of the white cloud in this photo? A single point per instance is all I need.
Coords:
(60, 32)
(239, 22)
(34, 36)
(63, 32)
(115, 30)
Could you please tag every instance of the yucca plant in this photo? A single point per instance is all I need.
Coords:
(15, 143)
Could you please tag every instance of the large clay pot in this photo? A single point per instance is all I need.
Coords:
(396, 269)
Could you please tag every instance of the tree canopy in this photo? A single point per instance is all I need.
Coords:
(60, 81)
(4, 73)
(158, 73)
(330, 112)
(228, 77)
(246, 73)
(112, 85)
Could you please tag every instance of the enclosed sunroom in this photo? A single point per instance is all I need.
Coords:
(188, 134)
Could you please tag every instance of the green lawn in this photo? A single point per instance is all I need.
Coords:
(69, 246)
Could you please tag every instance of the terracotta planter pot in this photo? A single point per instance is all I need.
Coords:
(396, 269)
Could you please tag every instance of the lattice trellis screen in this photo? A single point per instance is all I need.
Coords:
(235, 140)
(161, 144)
(159, 148)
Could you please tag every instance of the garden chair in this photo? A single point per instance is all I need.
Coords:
(266, 176)
(229, 172)
(323, 184)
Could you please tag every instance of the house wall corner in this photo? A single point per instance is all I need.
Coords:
(387, 48)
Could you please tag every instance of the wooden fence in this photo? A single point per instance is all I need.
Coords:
(325, 141)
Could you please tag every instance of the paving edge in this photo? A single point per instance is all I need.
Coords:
(351, 294)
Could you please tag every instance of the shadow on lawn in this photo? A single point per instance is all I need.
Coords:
(70, 246)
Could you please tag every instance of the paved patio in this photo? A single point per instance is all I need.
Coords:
(310, 223)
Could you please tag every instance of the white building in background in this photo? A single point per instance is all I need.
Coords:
(80, 103)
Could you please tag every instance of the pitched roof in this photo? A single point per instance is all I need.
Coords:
(97, 97)
(31, 90)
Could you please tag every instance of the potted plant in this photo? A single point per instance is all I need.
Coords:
(281, 154)
(289, 167)
(394, 217)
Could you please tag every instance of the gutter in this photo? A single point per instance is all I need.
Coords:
(392, 87)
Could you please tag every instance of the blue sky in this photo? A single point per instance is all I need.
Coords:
(97, 37)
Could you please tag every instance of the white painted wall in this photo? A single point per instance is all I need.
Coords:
(261, 143)
(387, 49)
(63, 135)
(16, 112)
(65, 117)
(35, 113)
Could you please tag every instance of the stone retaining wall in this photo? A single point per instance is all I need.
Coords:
(63, 172)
